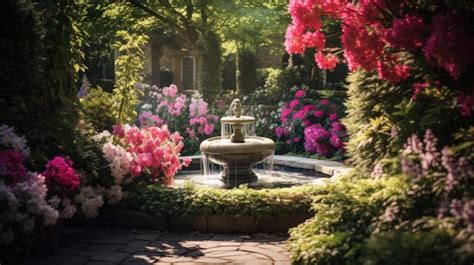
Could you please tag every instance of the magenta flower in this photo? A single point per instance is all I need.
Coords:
(300, 93)
(318, 113)
(324, 102)
(294, 103)
(59, 171)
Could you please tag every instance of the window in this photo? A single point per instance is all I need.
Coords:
(187, 72)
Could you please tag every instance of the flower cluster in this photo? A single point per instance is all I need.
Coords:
(24, 193)
(187, 115)
(200, 122)
(312, 124)
(375, 41)
(59, 171)
(148, 151)
(429, 166)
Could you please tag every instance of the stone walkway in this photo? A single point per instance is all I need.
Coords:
(114, 246)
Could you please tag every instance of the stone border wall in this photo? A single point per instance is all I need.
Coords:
(217, 223)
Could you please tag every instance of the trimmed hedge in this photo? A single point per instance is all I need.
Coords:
(191, 200)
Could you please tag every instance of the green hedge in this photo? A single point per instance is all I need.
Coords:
(348, 228)
(191, 200)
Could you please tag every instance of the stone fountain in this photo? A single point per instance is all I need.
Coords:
(237, 153)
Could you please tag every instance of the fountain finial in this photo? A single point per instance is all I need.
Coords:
(236, 107)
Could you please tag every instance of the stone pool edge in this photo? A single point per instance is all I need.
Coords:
(332, 168)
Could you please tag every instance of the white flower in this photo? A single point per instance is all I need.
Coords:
(9, 139)
(114, 194)
(54, 201)
(69, 209)
(50, 215)
(103, 135)
(146, 106)
(90, 201)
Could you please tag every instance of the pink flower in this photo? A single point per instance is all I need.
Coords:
(333, 117)
(221, 104)
(144, 159)
(449, 45)
(11, 165)
(296, 139)
(118, 130)
(466, 103)
(187, 161)
(324, 102)
(328, 61)
(300, 93)
(315, 140)
(208, 129)
(419, 87)
(408, 32)
(284, 114)
(336, 141)
(294, 103)
(60, 171)
(318, 113)
(279, 131)
(294, 40)
(336, 126)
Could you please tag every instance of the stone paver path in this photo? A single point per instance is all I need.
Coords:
(114, 246)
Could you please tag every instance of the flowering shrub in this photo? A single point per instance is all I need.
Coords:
(23, 194)
(188, 116)
(59, 171)
(444, 174)
(151, 152)
(312, 126)
(383, 36)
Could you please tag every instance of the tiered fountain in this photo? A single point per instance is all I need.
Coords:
(239, 152)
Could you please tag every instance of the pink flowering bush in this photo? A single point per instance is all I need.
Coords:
(393, 39)
(24, 202)
(151, 153)
(190, 116)
(59, 172)
(312, 126)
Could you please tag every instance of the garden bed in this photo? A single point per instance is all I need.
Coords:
(240, 210)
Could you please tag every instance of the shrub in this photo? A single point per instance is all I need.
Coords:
(312, 126)
(381, 115)
(246, 71)
(192, 200)
(190, 117)
(97, 109)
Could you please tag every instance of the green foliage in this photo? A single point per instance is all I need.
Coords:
(41, 60)
(246, 71)
(90, 162)
(209, 78)
(435, 246)
(206, 201)
(130, 65)
(20, 59)
(97, 109)
(274, 85)
(342, 221)
(381, 116)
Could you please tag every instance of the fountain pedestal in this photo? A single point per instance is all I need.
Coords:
(238, 153)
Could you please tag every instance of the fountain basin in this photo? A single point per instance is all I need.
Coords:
(237, 159)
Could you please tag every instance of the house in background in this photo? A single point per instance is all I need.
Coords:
(168, 61)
